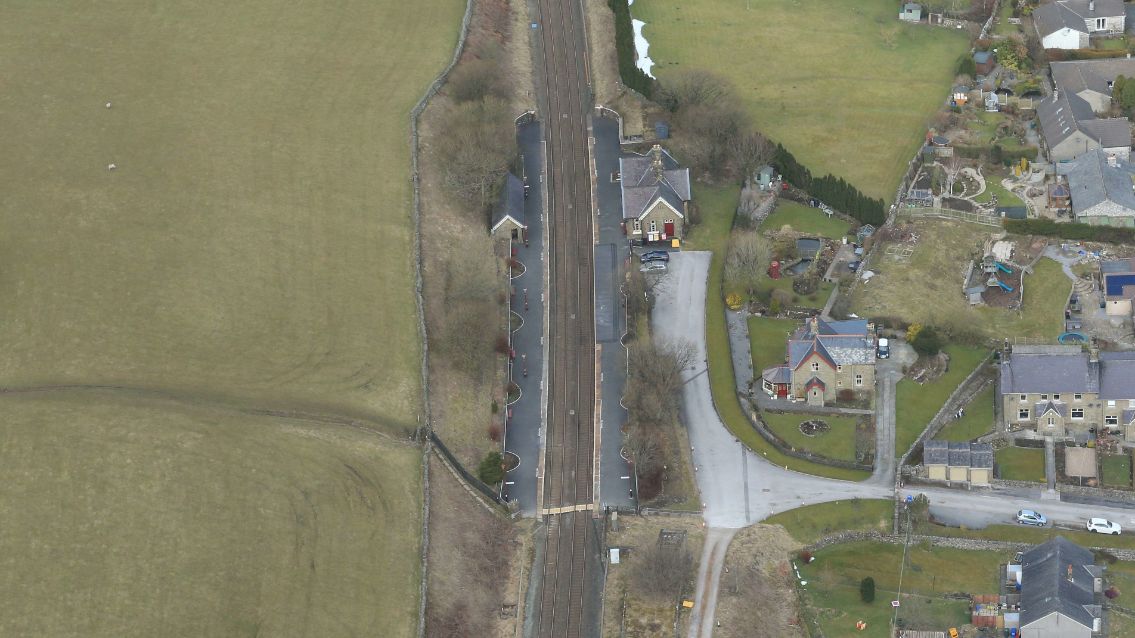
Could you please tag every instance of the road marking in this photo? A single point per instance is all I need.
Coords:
(625, 478)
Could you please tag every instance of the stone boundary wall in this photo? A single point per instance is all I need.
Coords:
(972, 544)
(416, 255)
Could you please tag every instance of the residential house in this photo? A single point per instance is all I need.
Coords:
(911, 12)
(984, 62)
(1064, 392)
(1061, 591)
(824, 357)
(656, 196)
(1068, 24)
(508, 214)
(1091, 79)
(1102, 188)
(1070, 128)
(958, 462)
(1118, 285)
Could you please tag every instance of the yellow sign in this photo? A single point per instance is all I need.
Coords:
(688, 604)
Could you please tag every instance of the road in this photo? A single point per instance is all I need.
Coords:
(565, 480)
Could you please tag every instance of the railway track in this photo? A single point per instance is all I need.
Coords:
(567, 499)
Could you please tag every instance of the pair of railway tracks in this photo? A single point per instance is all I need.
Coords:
(567, 500)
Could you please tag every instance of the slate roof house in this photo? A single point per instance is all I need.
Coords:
(959, 462)
(1118, 284)
(1091, 79)
(1061, 590)
(823, 358)
(1068, 24)
(1102, 188)
(1071, 128)
(508, 214)
(656, 196)
(1064, 392)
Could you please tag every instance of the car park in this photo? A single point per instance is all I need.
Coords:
(1103, 526)
(654, 255)
(1029, 517)
(653, 266)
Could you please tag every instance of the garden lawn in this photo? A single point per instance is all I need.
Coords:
(978, 419)
(1117, 469)
(1003, 26)
(805, 219)
(916, 405)
(1021, 464)
(811, 523)
(815, 300)
(718, 206)
(836, 443)
(935, 270)
(993, 187)
(1122, 576)
(830, 98)
(834, 577)
(768, 341)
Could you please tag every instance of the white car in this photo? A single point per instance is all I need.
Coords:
(653, 266)
(1103, 526)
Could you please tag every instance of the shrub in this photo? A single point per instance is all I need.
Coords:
(491, 469)
(733, 301)
(805, 556)
(1074, 231)
(867, 589)
(495, 407)
(927, 342)
(846, 395)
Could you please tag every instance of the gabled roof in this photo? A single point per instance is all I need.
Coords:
(1073, 14)
(1117, 375)
(1118, 265)
(510, 206)
(1078, 76)
(856, 327)
(1094, 180)
(645, 179)
(1024, 373)
(836, 342)
(1047, 586)
(814, 382)
(936, 453)
(1060, 114)
(958, 454)
(1110, 132)
(1044, 407)
(981, 57)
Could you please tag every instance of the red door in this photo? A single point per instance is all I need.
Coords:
(669, 228)
(781, 390)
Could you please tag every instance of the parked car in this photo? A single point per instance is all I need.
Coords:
(653, 266)
(654, 255)
(883, 350)
(1029, 517)
(1103, 526)
(853, 265)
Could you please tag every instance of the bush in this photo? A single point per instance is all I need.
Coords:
(1074, 231)
(927, 342)
(631, 75)
(867, 589)
(491, 469)
(846, 395)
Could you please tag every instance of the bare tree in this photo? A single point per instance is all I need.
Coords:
(694, 87)
(663, 570)
(749, 152)
(479, 144)
(474, 80)
(747, 257)
(641, 445)
(653, 393)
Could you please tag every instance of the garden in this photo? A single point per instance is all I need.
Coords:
(1020, 464)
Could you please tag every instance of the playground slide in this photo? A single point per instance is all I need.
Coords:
(1004, 286)
(1003, 268)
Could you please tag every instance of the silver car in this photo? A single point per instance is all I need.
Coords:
(653, 266)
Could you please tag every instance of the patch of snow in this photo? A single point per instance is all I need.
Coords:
(642, 60)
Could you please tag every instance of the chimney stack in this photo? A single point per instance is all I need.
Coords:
(656, 163)
(1092, 6)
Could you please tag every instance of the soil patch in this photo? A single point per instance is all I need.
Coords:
(814, 427)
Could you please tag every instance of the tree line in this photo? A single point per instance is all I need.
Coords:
(631, 75)
(833, 191)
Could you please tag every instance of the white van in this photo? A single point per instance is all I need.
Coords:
(883, 350)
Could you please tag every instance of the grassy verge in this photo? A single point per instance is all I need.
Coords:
(1021, 464)
(829, 99)
(1116, 470)
(916, 405)
(768, 341)
(805, 219)
(717, 207)
(977, 420)
(1036, 535)
(834, 577)
(836, 443)
(1122, 576)
(811, 523)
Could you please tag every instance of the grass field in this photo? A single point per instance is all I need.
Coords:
(811, 523)
(805, 219)
(935, 270)
(834, 576)
(248, 257)
(718, 205)
(819, 77)
(916, 404)
(768, 340)
(836, 443)
(977, 420)
(1021, 464)
(1116, 469)
(143, 518)
(1122, 576)
(254, 242)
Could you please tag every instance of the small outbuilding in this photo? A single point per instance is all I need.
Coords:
(911, 12)
(508, 214)
(984, 62)
(959, 462)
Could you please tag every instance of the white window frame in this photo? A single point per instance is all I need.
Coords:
(1111, 404)
(1056, 397)
(1044, 397)
(1081, 415)
(1078, 396)
(815, 366)
(1101, 24)
(1024, 398)
(858, 379)
(637, 226)
(1023, 414)
(838, 368)
(1111, 420)
(1051, 422)
(653, 226)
